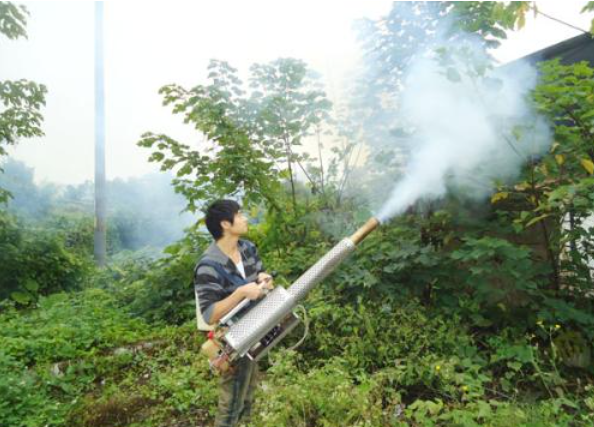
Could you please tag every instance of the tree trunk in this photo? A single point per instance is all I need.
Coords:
(294, 196)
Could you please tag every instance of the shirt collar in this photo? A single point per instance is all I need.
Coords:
(215, 253)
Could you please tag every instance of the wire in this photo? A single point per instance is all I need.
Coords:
(305, 334)
(306, 324)
(559, 20)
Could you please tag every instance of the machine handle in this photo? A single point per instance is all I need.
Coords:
(242, 304)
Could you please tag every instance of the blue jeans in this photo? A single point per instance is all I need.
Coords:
(236, 393)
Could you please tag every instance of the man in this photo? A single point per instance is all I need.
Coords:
(229, 271)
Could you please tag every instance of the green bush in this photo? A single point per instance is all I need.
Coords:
(163, 382)
(48, 355)
(78, 232)
(24, 401)
(159, 290)
(371, 335)
(66, 326)
(36, 262)
(166, 293)
(326, 396)
(333, 395)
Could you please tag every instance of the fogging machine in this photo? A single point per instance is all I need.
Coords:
(252, 328)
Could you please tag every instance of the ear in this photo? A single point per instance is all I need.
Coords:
(225, 225)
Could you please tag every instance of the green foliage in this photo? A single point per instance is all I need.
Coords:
(22, 100)
(142, 212)
(500, 272)
(80, 360)
(490, 19)
(36, 262)
(589, 7)
(325, 396)
(250, 140)
(232, 164)
(424, 387)
(47, 355)
(151, 384)
(445, 316)
(160, 290)
(77, 231)
(288, 102)
(565, 95)
(91, 365)
(490, 413)
(20, 118)
(23, 401)
(27, 200)
(74, 325)
(405, 259)
(392, 42)
(554, 197)
(13, 20)
(362, 334)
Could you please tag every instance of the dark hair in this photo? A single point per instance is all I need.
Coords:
(221, 210)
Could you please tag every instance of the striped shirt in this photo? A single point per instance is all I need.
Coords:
(211, 287)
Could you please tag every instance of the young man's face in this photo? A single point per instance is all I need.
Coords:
(239, 226)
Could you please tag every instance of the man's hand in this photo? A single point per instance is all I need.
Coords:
(265, 280)
(252, 291)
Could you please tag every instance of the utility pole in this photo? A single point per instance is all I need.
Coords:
(100, 187)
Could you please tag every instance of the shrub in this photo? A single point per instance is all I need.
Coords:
(36, 262)
(48, 354)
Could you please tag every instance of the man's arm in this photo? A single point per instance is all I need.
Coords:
(263, 276)
(213, 304)
(209, 290)
(250, 291)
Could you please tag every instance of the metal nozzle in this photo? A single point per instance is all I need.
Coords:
(362, 232)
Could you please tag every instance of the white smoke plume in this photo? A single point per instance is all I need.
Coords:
(470, 130)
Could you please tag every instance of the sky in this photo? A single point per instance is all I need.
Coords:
(151, 44)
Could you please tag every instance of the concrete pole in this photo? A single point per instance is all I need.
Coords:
(100, 185)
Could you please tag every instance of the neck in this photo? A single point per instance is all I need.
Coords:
(228, 244)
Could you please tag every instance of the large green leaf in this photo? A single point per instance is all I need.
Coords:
(31, 285)
(21, 297)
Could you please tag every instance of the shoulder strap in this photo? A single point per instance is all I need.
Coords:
(233, 278)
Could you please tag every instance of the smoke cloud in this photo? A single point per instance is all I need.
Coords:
(472, 126)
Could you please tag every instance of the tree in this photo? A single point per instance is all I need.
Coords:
(228, 163)
(251, 140)
(558, 188)
(289, 104)
(410, 29)
(22, 100)
(589, 7)
(553, 199)
(28, 200)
